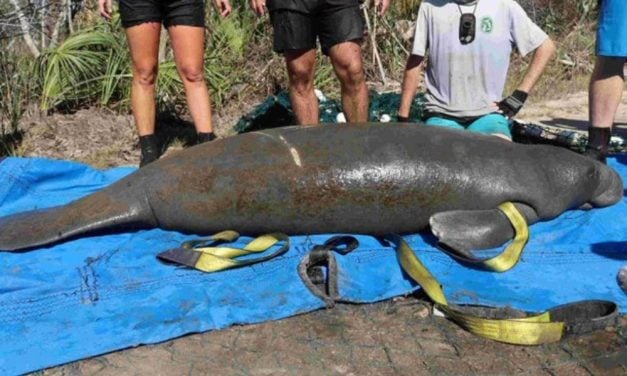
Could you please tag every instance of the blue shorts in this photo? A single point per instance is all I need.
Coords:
(612, 29)
(487, 124)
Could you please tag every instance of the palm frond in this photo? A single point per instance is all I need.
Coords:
(88, 64)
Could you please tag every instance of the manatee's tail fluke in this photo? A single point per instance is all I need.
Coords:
(93, 213)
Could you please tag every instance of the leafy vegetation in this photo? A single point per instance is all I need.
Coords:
(83, 67)
(14, 96)
(571, 24)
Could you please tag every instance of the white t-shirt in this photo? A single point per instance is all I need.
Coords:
(464, 80)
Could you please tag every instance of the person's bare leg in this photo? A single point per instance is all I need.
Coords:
(348, 66)
(188, 43)
(300, 70)
(606, 88)
(605, 91)
(143, 41)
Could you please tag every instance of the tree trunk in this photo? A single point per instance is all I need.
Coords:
(30, 43)
(42, 20)
(163, 44)
(69, 16)
(54, 40)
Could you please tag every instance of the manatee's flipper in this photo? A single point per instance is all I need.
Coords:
(92, 213)
(465, 230)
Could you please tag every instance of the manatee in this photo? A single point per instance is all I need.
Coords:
(361, 178)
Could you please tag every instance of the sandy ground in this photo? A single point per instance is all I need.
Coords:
(105, 139)
(571, 112)
(397, 337)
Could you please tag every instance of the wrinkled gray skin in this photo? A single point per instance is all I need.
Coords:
(369, 179)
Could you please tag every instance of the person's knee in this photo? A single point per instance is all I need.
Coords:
(436, 121)
(351, 73)
(347, 62)
(145, 74)
(192, 73)
(300, 70)
(301, 79)
(492, 124)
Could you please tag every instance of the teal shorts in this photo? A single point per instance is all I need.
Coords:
(487, 124)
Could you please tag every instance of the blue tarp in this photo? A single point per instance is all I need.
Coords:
(94, 295)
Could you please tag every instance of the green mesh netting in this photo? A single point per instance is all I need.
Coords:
(276, 111)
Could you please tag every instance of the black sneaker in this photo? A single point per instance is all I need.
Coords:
(205, 137)
(150, 150)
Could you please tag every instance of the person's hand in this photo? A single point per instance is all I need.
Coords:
(104, 6)
(381, 6)
(224, 7)
(512, 104)
(259, 6)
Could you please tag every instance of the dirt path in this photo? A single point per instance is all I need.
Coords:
(104, 139)
(396, 337)
(571, 112)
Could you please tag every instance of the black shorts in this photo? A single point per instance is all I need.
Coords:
(297, 23)
(169, 12)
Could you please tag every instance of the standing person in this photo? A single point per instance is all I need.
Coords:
(469, 44)
(606, 85)
(608, 79)
(339, 26)
(185, 21)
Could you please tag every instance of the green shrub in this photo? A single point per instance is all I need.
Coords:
(88, 67)
(92, 65)
(15, 85)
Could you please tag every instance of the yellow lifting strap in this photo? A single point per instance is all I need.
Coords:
(510, 256)
(498, 324)
(523, 331)
(206, 255)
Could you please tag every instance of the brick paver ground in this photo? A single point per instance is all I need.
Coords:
(396, 337)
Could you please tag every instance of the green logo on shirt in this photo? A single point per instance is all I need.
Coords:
(486, 24)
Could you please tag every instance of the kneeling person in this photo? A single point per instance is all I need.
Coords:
(469, 45)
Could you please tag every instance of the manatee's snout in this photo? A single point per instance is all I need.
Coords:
(610, 188)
